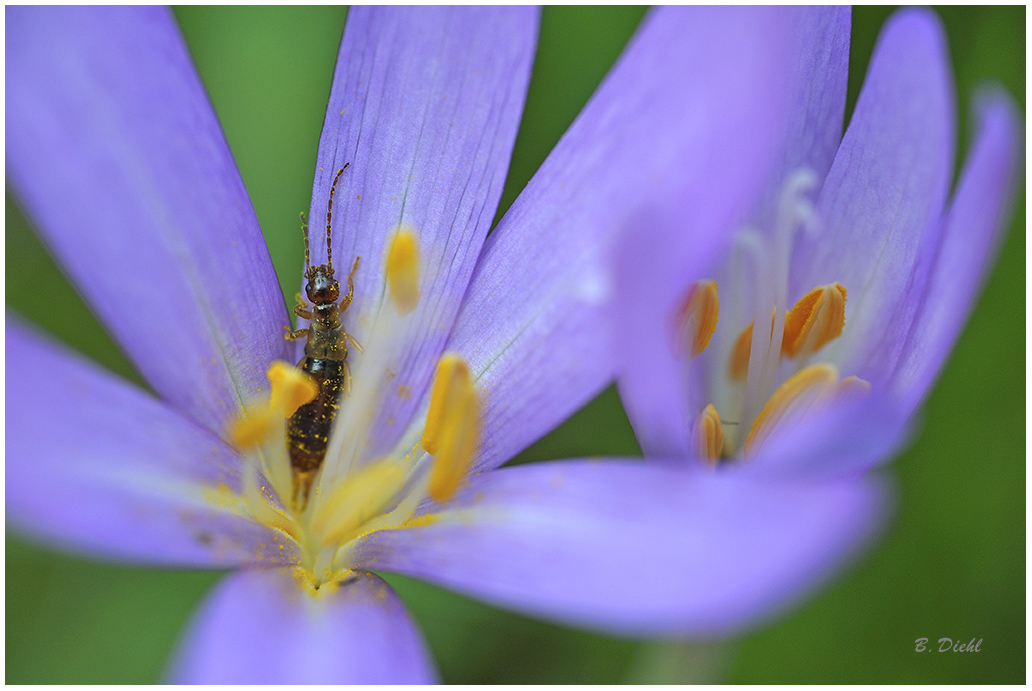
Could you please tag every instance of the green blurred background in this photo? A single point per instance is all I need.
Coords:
(951, 565)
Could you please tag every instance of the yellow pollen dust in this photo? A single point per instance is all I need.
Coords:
(709, 434)
(452, 428)
(699, 314)
(806, 387)
(403, 270)
(816, 319)
(291, 389)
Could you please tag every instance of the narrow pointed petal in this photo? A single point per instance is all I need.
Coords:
(425, 106)
(635, 548)
(885, 193)
(114, 150)
(972, 233)
(96, 466)
(265, 627)
(535, 325)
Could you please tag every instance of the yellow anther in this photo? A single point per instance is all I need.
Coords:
(709, 434)
(291, 388)
(452, 376)
(807, 387)
(403, 271)
(699, 314)
(249, 429)
(458, 445)
(816, 319)
(452, 428)
(361, 496)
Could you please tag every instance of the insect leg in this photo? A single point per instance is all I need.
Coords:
(301, 307)
(346, 380)
(346, 300)
(294, 335)
(354, 344)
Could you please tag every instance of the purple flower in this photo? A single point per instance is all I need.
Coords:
(473, 347)
(854, 253)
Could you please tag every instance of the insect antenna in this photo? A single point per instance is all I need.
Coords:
(304, 231)
(329, 215)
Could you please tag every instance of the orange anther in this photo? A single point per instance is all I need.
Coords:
(738, 368)
(709, 434)
(807, 387)
(816, 319)
(699, 313)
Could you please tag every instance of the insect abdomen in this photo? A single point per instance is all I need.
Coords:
(309, 429)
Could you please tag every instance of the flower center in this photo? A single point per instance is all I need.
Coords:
(351, 497)
(762, 378)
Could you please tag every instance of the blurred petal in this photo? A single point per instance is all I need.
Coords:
(114, 150)
(635, 548)
(973, 230)
(884, 193)
(96, 466)
(843, 440)
(535, 325)
(803, 94)
(264, 627)
(425, 106)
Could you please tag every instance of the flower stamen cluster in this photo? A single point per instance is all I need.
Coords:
(746, 387)
(351, 496)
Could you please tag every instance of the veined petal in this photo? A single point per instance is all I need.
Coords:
(117, 155)
(535, 325)
(635, 548)
(885, 192)
(972, 232)
(265, 627)
(96, 466)
(819, 63)
(425, 106)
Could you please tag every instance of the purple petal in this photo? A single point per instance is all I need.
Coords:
(536, 322)
(264, 627)
(819, 64)
(635, 548)
(116, 154)
(425, 106)
(884, 193)
(819, 74)
(973, 230)
(96, 466)
(845, 439)
(797, 116)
